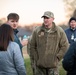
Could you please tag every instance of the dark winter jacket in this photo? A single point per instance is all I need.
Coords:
(69, 60)
(16, 39)
(71, 35)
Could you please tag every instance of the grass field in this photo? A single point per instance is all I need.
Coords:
(28, 64)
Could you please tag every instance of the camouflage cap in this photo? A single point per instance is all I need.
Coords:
(48, 14)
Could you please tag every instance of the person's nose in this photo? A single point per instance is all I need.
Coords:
(15, 23)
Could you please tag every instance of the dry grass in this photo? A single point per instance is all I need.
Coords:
(25, 54)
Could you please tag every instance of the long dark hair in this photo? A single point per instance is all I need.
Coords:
(6, 35)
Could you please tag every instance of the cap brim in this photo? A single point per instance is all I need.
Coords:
(44, 16)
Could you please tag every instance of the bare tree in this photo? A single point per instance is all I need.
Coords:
(70, 7)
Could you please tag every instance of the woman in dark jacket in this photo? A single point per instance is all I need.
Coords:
(69, 60)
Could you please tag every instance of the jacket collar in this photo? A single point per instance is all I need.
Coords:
(15, 31)
(51, 30)
(72, 29)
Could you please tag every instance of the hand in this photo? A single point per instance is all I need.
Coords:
(24, 42)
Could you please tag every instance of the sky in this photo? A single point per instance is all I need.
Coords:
(30, 11)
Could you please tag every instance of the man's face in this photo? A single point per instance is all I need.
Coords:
(13, 23)
(47, 21)
(73, 24)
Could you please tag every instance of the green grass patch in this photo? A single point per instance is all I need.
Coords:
(28, 66)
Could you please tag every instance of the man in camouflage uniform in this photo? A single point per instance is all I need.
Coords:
(48, 46)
